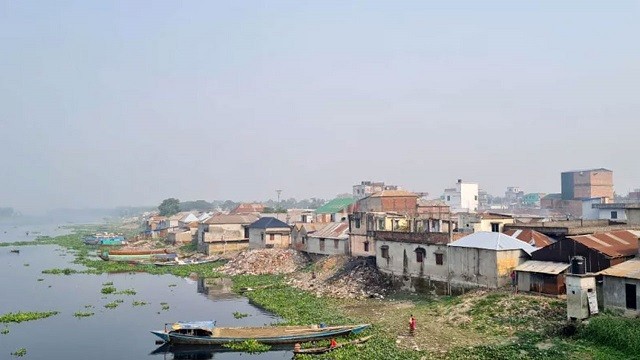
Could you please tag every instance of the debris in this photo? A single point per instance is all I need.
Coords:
(265, 261)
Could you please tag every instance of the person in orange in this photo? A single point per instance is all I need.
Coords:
(412, 325)
(333, 343)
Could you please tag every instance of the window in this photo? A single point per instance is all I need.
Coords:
(336, 243)
(495, 227)
(384, 251)
(614, 214)
(321, 244)
(475, 197)
(439, 259)
(366, 246)
(420, 254)
(304, 239)
(357, 223)
(262, 236)
(380, 224)
(272, 237)
(448, 198)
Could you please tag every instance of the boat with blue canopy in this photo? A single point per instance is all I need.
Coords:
(207, 333)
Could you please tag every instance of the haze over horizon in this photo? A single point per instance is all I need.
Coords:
(113, 103)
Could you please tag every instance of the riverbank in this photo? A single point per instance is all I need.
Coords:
(477, 325)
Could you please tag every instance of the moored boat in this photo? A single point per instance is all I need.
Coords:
(136, 255)
(207, 333)
(106, 239)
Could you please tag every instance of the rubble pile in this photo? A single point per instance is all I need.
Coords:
(265, 261)
(344, 278)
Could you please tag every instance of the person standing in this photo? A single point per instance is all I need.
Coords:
(333, 343)
(412, 325)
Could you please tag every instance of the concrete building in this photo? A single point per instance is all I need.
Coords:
(366, 188)
(463, 197)
(618, 212)
(579, 288)
(363, 225)
(221, 233)
(485, 259)
(592, 183)
(389, 200)
(332, 239)
(620, 284)
(336, 210)
(300, 233)
(486, 221)
(269, 232)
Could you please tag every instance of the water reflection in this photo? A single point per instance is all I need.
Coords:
(198, 352)
(217, 288)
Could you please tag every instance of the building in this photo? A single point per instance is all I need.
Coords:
(269, 232)
(513, 196)
(486, 221)
(336, 210)
(593, 183)
(619, 212)
(221, 233)
(563, 228)
(531, 237)
(462, 198)
(366, 188)
(363, 225)
(331, 239)
(389, 200)
(485, 259)
(301, 231)
(600, 250)
(620, 284)
(248, 208)
(543, 277)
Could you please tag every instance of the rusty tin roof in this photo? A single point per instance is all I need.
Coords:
(613, 243)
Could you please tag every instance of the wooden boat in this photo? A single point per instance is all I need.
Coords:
(207, 333)
(15, 251)
(104, 239)
(137, 255)
(324, 349)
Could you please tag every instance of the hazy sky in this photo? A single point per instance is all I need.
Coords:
(106, 103)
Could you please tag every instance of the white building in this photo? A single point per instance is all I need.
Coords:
(366, 188)
(462, 198)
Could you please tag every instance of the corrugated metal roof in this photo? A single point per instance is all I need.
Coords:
(268, 222)
(335, 205)
(531, 237)
(628, 269)
(543, 267)
(231, 219)
(332, 231)
(246, 208)
(614, 243)
(492, 241)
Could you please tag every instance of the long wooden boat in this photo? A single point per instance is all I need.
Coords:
(137, 255)
(207, 333)
(324, 349)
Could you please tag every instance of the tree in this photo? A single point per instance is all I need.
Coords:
(170, 206)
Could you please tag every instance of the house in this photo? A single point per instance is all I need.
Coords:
(336, 210)
(247, 208)
(362, 226)
(187, 219)
(269, 232)
(221, 233)
(531, 237)
(300, 232)
(620, 284)
(299, 216)
(463, 197)
(331, 239)
(618, 212)
(485, 259)
(561, 229)
(180, 236)
(486, 221)
(600, 250)
(414, 256)
(152, 225)
(366, 188)
(389, 200)
(544, 277)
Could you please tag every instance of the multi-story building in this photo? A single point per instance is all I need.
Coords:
(366, 188)
(462, 198)
(587, 184)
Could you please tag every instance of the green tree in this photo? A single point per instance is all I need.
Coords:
(170, 206)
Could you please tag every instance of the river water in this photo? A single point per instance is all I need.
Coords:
(119, 333)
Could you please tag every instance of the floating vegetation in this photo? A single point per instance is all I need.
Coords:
(165, 306)
(126, 292)
(88, 306)
(20, 352)
(108, 290)
(250, 346)
(21, 316)
(65, 271)
(111, 305)
(172, 285)
(110, 283)
(41, 279)
(80, 314)
(138, 303)
(26, 264)
(4, 331)
(239, 315)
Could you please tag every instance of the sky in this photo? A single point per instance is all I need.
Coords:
(110, 103)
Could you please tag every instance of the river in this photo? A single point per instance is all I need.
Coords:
(114, 334)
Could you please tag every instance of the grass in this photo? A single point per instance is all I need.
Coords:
(248, 346)
(21, 316)
(617, 333)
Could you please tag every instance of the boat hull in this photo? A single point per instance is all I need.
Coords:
(182, 339)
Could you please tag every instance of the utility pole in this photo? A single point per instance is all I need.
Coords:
(278, 192)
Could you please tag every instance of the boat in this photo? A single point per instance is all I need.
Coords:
(107, 239)
(207, 333)
(324, 349)
(137, 255)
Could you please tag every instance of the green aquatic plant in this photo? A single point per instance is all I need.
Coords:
(126, 292)
(41, 279)
(20, 352)
(165, 306)
(112, 305)
(250, 346)
(26, 264)
(65, 271)
(172, 285)
(239, 315)
(138, 303)
(88, 306)
(110, 283)
(22, 316)
(80, 314)
(108, 290)
(4, 331)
